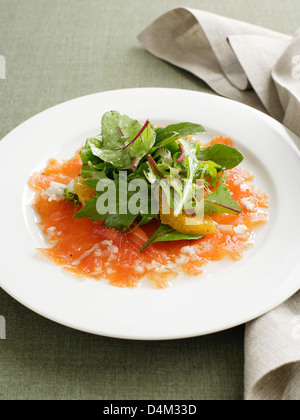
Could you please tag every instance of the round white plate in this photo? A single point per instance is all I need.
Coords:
(226, 295)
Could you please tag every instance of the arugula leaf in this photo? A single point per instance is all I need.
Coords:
(166, 233)
(192, 162)
(221, 202)
(211, 170)
(124, 141)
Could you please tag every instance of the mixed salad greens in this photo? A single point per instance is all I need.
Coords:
(129, 153)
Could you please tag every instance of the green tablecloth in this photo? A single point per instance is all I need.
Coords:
(56, 50)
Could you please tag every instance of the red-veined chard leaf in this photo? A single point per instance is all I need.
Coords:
(124, 141)
(221, 202)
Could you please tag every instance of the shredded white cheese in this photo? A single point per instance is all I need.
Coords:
(183, 259)
(248, 204)
(107, 243)
(56, 192)
(240, 229)
(71, 186)
(245, 187)
(226, 228)
(139, 269)
(51, 231)
(188, 250)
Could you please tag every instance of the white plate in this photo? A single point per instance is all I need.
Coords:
(227, 295)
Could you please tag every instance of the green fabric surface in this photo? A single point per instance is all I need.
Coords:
(56, 50)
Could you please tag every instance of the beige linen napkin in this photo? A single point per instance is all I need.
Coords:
(260, 68)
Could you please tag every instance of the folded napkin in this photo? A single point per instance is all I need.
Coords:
(260, 68)
(244, 62)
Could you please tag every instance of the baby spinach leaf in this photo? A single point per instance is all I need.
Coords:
(225, 156)
(169, 134)
(166, 233)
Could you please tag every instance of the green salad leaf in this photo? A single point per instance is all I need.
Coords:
(171, 133)
(192, 163)
(129, 161)
(226, 156)
(123, 142)
(86, 153)
(71, 197)
(166, 233)
(221, 202)
(115, 201)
